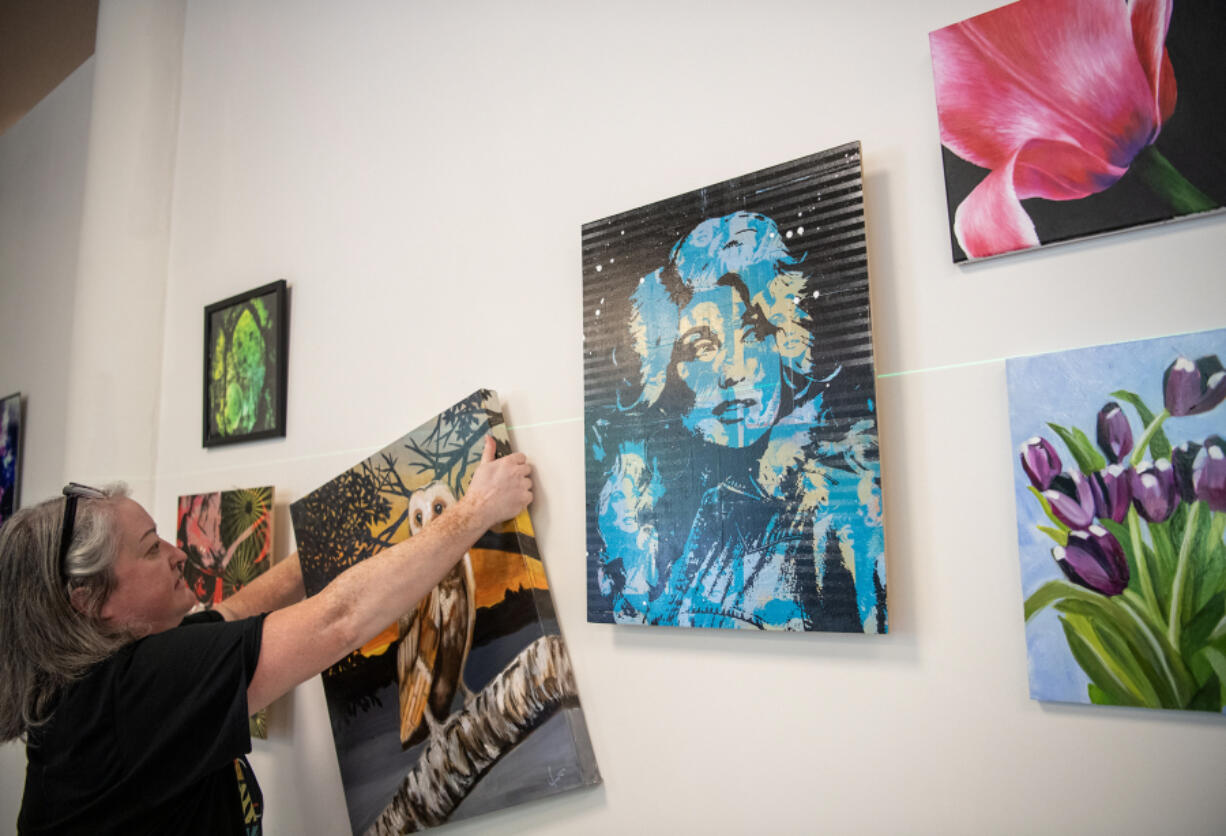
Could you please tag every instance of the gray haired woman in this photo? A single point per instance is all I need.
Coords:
(135, 717)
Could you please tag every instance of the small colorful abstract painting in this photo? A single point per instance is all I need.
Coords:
(246, 343)
(227, 537)
(733, 479)
(1065, 119)
(467, 704)
(1120, 474)
(10, 455)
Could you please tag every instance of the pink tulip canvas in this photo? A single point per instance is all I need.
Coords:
(1065, 119)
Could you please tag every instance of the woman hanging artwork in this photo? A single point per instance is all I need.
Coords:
(732, 469)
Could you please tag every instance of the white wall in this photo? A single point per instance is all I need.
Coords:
(112, 423)
(42, 186)
(419, 174)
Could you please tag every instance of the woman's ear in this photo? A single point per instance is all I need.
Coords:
(79, 599)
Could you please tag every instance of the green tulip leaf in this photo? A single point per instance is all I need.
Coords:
(1046, 595)
(1165, 555)
(1215, 655)
(1219, 632)
(1211, 562)
(1176, 523)
(1206, 562)
(1159, 445)
(1199, 630)
(1146, 414)
(1059, 535)
(1141, 567)
(1084, 452)
(1131, 652)
(1098, 696)
(1154, 632)
(1215, 651)
(1162, 589)
(1147, 680)
(1208, 697)
(1218, 529)
(1201, 669)
(1146, 637)
(1086, 648)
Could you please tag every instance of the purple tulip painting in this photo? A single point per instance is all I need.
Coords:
(1064, 119)
(1120, 479)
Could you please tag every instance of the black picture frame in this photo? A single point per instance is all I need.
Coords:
(13, 407)
(259, 411)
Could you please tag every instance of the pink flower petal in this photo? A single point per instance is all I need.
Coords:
(1063, 70)
(1060, 170)
(1059, 96)
(1150, 21)
(991, 220)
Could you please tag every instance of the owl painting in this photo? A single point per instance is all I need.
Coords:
(467, 703)
(437, 636)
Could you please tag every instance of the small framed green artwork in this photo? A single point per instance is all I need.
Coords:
(246, 346)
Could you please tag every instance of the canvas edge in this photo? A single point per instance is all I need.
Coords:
(589, 768)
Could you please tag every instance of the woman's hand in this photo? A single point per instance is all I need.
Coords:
(500, 488)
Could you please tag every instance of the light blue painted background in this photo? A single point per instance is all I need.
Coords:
(1069, 388)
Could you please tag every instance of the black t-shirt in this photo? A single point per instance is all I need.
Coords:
(152, 740)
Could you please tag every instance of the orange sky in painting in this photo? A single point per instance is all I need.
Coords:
(496, 573)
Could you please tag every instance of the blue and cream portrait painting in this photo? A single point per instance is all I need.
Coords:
(733, 477)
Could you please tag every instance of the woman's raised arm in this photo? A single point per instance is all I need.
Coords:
(305, 638)
(279, 587)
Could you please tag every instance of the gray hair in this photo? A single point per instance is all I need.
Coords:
(45, 640)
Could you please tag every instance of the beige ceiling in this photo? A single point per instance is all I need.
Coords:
(41, 43)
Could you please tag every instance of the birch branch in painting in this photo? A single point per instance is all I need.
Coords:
(527, 692)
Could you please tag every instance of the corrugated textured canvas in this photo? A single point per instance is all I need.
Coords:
(1063, 119)
(467, 704)
(1120, 478)
(733, 478)
(227, 537)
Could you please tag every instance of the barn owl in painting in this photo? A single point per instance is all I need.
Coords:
(437, 635)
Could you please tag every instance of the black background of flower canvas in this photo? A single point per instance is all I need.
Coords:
(1193, 140)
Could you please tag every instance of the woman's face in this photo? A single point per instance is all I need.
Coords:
(150, 594)
(727, 357)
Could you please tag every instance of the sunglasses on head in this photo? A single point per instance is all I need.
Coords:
(73, 492)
